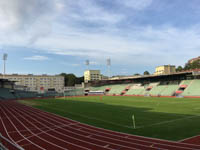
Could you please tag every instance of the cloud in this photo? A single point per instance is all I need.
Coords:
(27, 19)
(146, 45)
(88, 13)
(19, 14)
(70, 64)
(37, 58)
(86, 29)
(136, 4)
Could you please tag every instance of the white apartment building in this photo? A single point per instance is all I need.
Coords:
(92, 75)
(37, 83)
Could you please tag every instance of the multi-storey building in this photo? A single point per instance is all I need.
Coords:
(92, 75)
(38, 83)
(166, 69)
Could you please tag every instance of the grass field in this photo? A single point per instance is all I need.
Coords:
(165, 118)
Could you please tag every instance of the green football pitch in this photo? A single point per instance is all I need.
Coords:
(164, 118)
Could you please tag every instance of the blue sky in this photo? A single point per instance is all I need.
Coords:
(54, 36)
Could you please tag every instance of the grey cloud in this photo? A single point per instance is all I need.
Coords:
(22, 13)
(29, 18)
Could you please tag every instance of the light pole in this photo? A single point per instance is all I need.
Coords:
(108, 65)
(87, 63)
(5, 56)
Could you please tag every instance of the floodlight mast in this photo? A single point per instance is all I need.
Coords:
(87, 63)
(108, 65)
(5, 56)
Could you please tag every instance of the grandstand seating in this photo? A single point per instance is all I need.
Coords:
(154, 84)
(193, 88)
(49, 94)
(187, 87)
(24, 94)
(6, 94)
(148, 88)
(117, 89)
(186, 82)
(157, 90)
(74, 92)
(99, 88)
(136, 89)
(161, 90)
(114, 89)
(169, 90)
(154, 89)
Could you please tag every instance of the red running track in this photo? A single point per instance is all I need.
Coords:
(33, 129)
(192, 140)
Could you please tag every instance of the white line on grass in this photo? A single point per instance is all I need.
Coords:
(166, 122)
(84, 116)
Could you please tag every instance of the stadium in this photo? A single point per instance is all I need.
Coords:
(59, 89)
(139, 112)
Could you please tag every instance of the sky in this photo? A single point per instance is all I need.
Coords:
(55, 36)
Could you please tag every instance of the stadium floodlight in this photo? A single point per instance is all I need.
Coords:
(5, 56)
(87, 63)
(108, 62)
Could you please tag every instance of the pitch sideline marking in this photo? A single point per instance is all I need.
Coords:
(165, 122)
(130, 127)
(104, 130)
(84, 116)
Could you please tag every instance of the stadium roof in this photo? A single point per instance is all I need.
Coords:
(149, 76)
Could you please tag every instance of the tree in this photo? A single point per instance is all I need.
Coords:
(179, 69)
(79, 80)
(193, 65)
(146, 73)
(71, 79)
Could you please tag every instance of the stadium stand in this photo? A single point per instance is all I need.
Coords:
(74, 92)
(160, 88)
(6, 94)
(169, 90)
(99, 88)
(186, 82)
(157, 90)
(148, 87)
(24, 94)
(136, 89)
(117, 89)
(193, 88)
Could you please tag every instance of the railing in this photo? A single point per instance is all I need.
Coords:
(6, 144)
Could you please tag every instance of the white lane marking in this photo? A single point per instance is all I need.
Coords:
(107, 130)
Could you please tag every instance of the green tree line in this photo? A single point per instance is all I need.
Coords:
(189, 66)
(71, 79)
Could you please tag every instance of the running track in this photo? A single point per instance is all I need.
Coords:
(33, 129)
